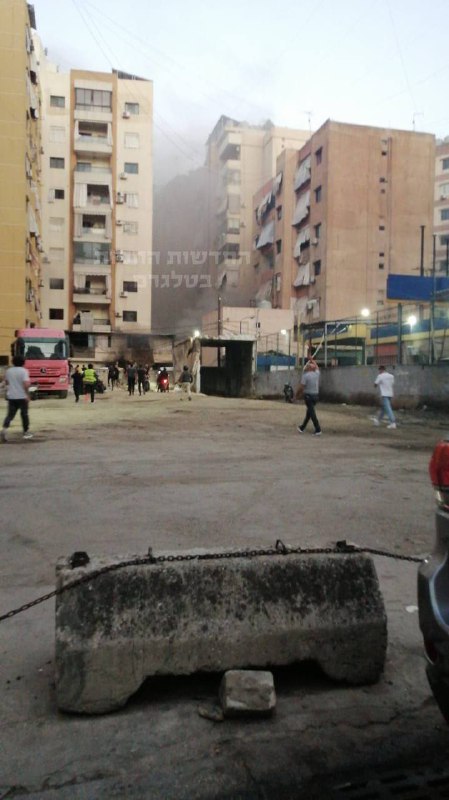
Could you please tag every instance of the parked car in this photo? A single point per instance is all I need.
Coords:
(433, 585)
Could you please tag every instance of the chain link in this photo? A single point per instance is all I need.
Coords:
(340, 548)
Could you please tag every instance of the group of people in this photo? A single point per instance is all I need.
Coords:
(85, 380)
(309, 390)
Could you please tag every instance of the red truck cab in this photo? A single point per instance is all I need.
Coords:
(46, 353)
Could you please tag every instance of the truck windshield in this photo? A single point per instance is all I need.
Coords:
(43, 349)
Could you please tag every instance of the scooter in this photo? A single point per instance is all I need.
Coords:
(163, 384)
(288, 393)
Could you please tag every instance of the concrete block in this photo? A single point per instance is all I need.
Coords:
(181, 617)
(247, 691)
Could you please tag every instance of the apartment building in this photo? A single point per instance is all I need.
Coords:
(240, 159)
(441, 209)
(20, 162)
(97, 208)
(273, 266)
(361, 195)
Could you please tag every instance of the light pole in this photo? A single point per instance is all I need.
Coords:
(365, 312)
(284, 332)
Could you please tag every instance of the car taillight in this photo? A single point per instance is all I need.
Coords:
(439, 473)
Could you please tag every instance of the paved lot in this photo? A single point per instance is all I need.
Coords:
(126, 473)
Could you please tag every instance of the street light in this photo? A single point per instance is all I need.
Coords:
(412, 320)
(196, 334)
(365, 312)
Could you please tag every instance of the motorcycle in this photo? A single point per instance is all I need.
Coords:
(288, 393)
(163, 384)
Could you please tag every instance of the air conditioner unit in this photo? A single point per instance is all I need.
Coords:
(120, 197)
(119, 256)
(46, 260)
(310, 305)
(443, 196)
(312, 279)
(126, 115)
(243, 224)
(315, 242)
(117, 314)
(41, 284)
(123, 176)
(118, 222)
(123, 294)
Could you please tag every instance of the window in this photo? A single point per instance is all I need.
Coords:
(278, 246)
(381, 265)
(381, 227)
(132, 108)
(130, 257)
(57, 133)
(56, 163)
(444, 190)
(444, 240)
(131, 168)
(132, 140)
(56, 254)
(319, 156)
(381, 255)
(56, 223)
(91, 252)
(131, 227)
(132, 199)
(317, 268)
(97, 99)
(443, 265)
(318, 194)
(56, 283)
(56, 313)
(83, 166)
(59, 194)
(130, 316)
(445, 163)
(279, 212)
(317, 230)
(57, 101)
(130, 286)
(444, 213)
(382, 180)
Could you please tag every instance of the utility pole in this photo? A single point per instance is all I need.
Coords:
(399, 333)
(447, 256)
(421, 265)
(219, 329)
(432, 304)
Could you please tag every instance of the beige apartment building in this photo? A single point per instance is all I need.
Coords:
(361, 195)
(97, 208)
(20, 163)
(441, 209)
(240, 159)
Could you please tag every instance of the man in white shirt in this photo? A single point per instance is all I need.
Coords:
(17, 381)
(385, 382)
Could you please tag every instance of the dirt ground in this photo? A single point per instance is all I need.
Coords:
(124, 474)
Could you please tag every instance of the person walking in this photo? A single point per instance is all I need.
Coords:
(309, 388)
(17, 380)
(89, 381)
(186, 380)
(385, 383)
(131, 373)
(141, 376)
(77, 379)
(111, 376)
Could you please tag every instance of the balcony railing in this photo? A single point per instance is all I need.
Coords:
(95, 170)
(90, 291)
(106, 260)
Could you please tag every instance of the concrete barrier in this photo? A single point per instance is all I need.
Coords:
(181, 617)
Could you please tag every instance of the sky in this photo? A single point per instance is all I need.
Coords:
(297, 63)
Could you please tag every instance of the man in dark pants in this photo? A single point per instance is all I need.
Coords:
(77, 379)
(310, 385)
(17, 381)
(89, 381)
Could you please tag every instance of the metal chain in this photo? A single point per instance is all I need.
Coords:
(340, 548)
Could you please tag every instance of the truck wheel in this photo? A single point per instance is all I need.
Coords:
(63, 395)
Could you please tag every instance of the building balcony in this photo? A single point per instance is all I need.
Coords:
(92, 145)
(229, 147)
(92, 114)
(92, 174)
(93, 235)
(93, 325)
(91, 296)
